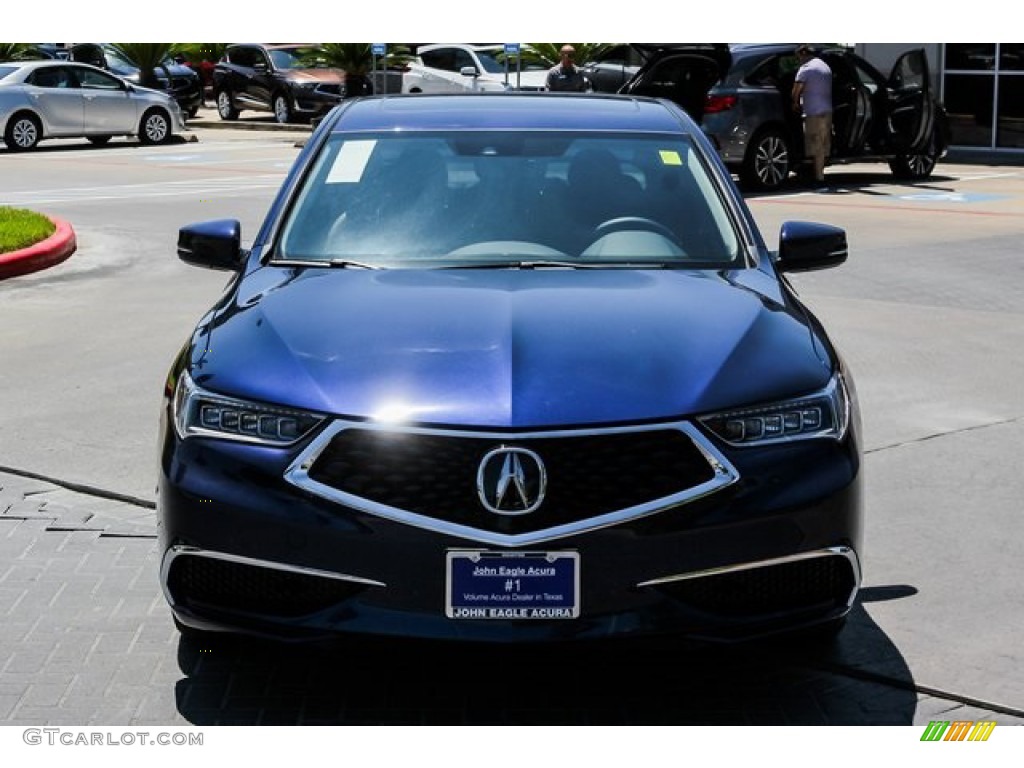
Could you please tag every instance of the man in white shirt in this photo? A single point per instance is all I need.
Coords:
(812, 93)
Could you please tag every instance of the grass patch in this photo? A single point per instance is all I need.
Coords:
(20, 229)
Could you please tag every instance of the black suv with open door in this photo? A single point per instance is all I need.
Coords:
(740, 95)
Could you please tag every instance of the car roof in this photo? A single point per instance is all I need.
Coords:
(30, 64)
(513, 111)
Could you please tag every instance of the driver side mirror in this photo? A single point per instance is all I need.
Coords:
(469, 71)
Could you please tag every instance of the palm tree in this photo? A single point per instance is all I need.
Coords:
(200, 52)
(357, 61)
(148, 57)
(549, 53)
(18, 51)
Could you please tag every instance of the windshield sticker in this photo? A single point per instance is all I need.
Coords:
(670, 157)
(351, 161)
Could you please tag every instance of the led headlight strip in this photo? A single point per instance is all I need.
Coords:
(824, 414)
(197, 412)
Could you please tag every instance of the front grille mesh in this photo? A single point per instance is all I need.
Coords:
(811, 583)
(436, 475)
(204, 582)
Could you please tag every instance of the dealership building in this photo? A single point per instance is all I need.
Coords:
(981, 86)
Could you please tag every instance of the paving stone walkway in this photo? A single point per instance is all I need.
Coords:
(88, 640)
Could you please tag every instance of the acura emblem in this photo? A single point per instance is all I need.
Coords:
(511, 481)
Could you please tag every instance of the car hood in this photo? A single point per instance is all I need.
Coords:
(315, 75)
(507, 348)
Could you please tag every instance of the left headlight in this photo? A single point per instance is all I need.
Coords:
(197, 412)
(823, 414)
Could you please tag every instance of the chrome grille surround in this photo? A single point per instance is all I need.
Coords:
(723, 474)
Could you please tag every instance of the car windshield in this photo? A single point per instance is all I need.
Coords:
(6, 70)
(493, 61)
(296, 58)
(510, 199)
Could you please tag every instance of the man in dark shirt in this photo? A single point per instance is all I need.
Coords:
(566, 76)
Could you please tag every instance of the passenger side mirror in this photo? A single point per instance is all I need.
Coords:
(806, 246)
(469, 71)
(212, 244)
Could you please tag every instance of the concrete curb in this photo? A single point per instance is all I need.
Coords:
(53, 250)
(242, 125)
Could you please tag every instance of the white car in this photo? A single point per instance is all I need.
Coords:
(459, 67)
(56, 99)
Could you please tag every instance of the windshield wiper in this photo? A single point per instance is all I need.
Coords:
(342, 263)
(524, 265)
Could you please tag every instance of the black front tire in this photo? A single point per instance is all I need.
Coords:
(225, 108)
(914, 166)
(768, 162)
(283, 113)
(155, 127)
(23, 133)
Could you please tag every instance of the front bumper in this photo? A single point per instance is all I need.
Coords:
(315, 102)
(245, 550)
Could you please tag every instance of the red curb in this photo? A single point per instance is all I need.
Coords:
(53, 250)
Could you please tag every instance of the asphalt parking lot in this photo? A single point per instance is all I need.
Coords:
(927, 312)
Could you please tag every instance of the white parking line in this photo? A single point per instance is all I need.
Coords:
(983, 177)
(196, 188)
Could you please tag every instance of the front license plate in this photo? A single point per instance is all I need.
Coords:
(513, 585)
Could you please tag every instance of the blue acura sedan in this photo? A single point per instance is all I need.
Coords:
(510, 367)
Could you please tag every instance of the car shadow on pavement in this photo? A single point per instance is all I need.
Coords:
(861, 679)
(115, 143)
(862, 182)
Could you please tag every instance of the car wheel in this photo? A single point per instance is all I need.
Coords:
(193, 112)
(99, 141)
(282, 109)
(155, 127)
(767, 164)
(225, 108)
(917, 166)
(23, 132)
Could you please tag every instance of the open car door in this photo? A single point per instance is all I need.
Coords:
(911, 103)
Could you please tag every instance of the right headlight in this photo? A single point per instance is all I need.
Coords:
(825, 414)
(198, 412)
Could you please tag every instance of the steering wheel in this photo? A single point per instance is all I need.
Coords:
(635, 222)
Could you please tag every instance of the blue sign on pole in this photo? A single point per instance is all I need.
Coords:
(511, 49)
(378, 49)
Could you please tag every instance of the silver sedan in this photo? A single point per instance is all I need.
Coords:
(61, 99)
